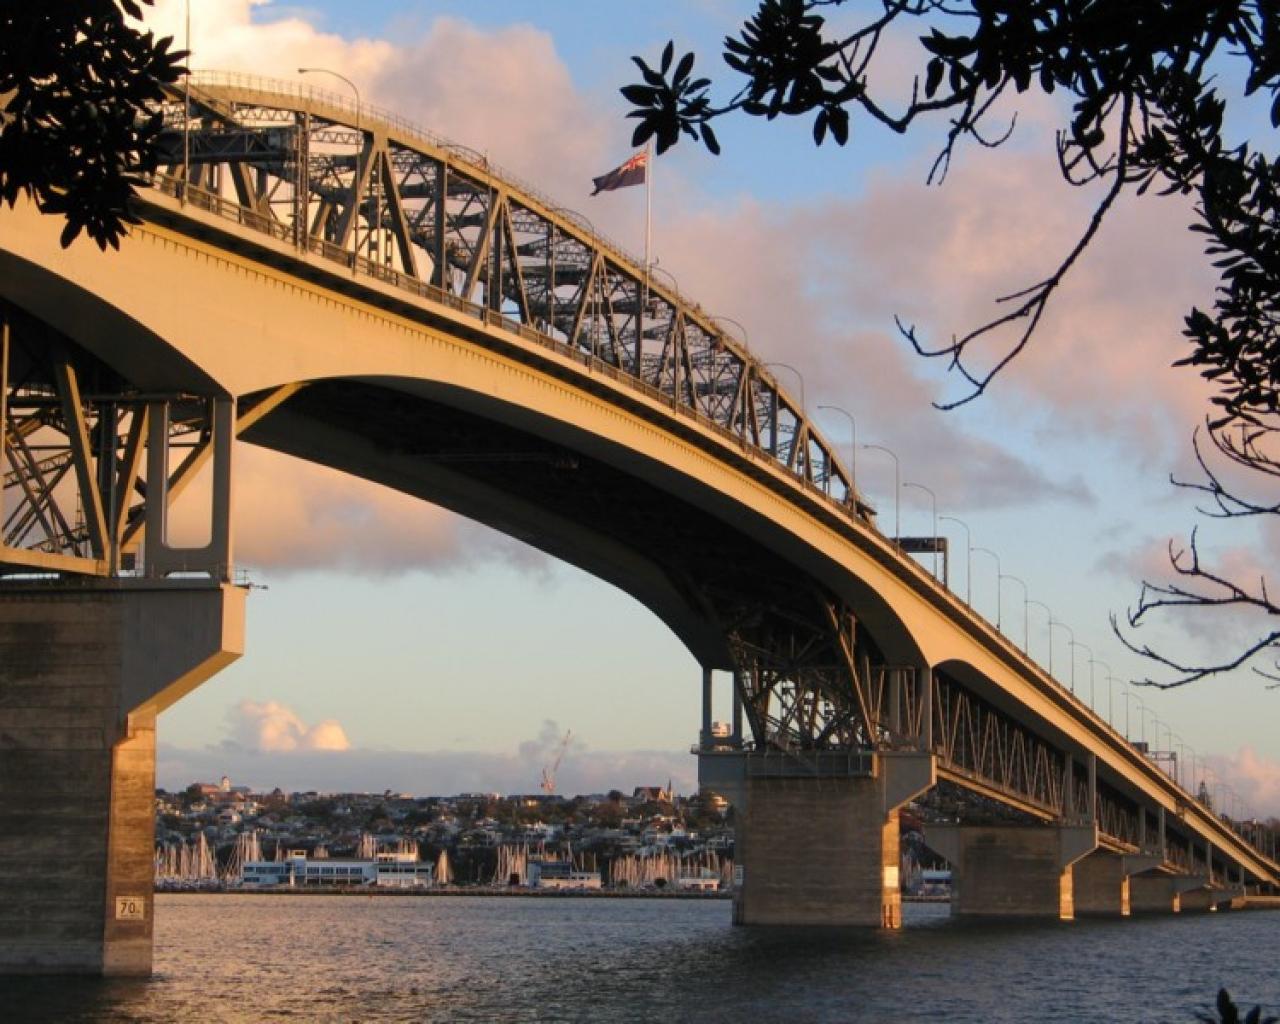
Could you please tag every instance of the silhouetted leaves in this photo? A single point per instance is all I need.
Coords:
(1146, 116)
(79, 133)
(1229, 1013)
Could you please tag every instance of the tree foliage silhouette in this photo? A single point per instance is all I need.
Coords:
(78, 130)
(1229, 1013)
(1147, 114)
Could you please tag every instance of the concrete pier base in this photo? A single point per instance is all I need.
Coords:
(822, 848)
(1012, 870)
(83, 673)
(1162, 894)
(1207, 899)
(1100, 886)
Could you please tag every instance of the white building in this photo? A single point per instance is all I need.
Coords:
(560, 874)
(394, 870)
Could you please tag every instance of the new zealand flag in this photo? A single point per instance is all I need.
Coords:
(630, 173)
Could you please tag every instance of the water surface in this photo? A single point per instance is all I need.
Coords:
(241, 958)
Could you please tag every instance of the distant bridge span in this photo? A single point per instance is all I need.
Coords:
(403, 312)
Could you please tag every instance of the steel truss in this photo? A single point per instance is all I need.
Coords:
(89, 465)
(989, 750)
(395, 202)
(815, 682)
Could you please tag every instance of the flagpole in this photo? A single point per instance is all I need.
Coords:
(648, 206)
(648, 241)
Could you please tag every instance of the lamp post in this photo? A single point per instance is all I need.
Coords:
(1128, 696)
(999, 603)
(1155, 720)
(746, 344)
(1080, 643)
(1027, 602)
(1072, 637)
(355, 185)
(1183, 747)
(1109, 680)
(968, 556)
(799, 377)
(934, 499)
(1026, 618)
(853, 447)
(897, 490)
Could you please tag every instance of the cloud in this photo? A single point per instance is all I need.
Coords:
(1254, 777)
(290, 515)
(504, 92)
(269, 746)
(272, 727)
(1192, 634)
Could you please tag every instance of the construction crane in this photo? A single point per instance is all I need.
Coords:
(549, 773)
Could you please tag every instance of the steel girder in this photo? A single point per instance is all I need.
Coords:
(89, 465)
(434, 217)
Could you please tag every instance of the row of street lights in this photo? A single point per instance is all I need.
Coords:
(1203, 783)
(1216, 791)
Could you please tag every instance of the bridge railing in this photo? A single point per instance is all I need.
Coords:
(366, 112)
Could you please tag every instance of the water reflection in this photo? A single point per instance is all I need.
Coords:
(333, 958)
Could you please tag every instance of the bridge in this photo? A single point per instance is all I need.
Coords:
(331, 282)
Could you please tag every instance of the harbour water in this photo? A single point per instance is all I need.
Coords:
(241, 958)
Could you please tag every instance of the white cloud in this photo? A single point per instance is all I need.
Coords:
(1254, 777)
(269, 746)
(273, 727)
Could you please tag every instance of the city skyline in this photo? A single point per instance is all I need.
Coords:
(1059, 469)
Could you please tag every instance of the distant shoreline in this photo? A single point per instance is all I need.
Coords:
(515, 892)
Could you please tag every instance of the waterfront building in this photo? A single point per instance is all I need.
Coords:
(394, 870)
(560, 874)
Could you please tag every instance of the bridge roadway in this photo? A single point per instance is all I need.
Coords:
(411, 316)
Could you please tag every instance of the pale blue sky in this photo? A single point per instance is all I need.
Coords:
(1072, 456)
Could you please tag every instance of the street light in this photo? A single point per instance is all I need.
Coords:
(355, 185)
(1071, 634)
(729, 320)
(988, 551)
(1025, 614)
(853, 448)
(1183, 747)
(897, 490)
(1075, 644)
(1027, 602)
(933, 498)
(1109, 681)
(1128, 696)
(1155, 719)
(799, 377)
(968, 557)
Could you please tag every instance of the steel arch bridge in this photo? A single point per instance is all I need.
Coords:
(332, 282)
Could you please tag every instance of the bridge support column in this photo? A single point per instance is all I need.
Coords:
(817, 841)
(1101, 883)
(83, 673)
(1012, 870)
(1206, 898)
(1161, 894)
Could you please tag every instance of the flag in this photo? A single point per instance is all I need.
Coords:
(630, 173)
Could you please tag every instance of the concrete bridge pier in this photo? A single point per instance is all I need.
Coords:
(1162, 894)
(84, 669)
(1012, 870)
(817, 839)
(1205, 899)
(1101, 883)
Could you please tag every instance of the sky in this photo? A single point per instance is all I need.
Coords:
(392, 645)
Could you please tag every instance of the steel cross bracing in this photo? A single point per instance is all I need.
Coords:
(89, 465)
(434, 218)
